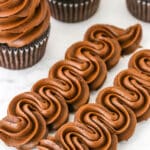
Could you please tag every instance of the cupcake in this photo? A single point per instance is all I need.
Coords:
(73, 10)
(24, 30)
(140, 9)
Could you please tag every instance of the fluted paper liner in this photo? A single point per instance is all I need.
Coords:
(73, 12)
(140, 9)
(13, 58)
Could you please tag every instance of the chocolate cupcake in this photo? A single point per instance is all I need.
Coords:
(140, 9)
(73, 10)
(24, 30)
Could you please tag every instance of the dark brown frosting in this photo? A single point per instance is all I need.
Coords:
(121, 118)
(108, 49)
(115, 114)
(129, 39)
(24, 125)
(100, 31)
(141, 62)
(97, 126)
(55, 110)
(84, 60)
(136, 88)
(75, 136)
(118, 119)
(49, 144)
(69, 84)
(22, 22)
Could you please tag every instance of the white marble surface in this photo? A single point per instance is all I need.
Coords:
(62, 36)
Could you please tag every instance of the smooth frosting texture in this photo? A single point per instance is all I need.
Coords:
(115, 114)
(49, 144)
(24, 125)
(69, 84)
(74, 136)
(97, 126)
(121, 118)
(84, 60)
(136, 87)
(107, 49)
(129, 39)
(23, 22)
(55, 110)
(141, 62)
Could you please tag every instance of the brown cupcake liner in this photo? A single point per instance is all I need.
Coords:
(140, 9)
(19, 58)
(73, 12)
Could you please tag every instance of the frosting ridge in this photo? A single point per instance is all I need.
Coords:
(56, 110)
(24, 125)
(129, 38)
(69, 84)
(85, 61)
(21, 23)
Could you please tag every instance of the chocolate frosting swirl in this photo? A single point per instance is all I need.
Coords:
(22, 22)
(129, 39)
(96, 125)
(141, 62)
(100, 31)
(74, 136)
(84, 60)
(24, 125)
(123, 119)
(136, 87)
(69, 84)
(48, 144)
(55, 110)
(108, 49)
(119, 119)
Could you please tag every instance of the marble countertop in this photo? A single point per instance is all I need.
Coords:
(61, 37)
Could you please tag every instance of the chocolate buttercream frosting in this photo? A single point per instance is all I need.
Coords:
(69, 84)
(136, 87)
(141, 62)
(46, 105)
(100, 31)
(55, 110)
(24, 125)
(115, 114)
(129, 39)
(21, 23)
(108, 49)
(121, 117)
(49, 144)
(118, 118)
(74, 136)
(84, 59)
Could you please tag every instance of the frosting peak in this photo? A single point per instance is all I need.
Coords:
(22, 22)
(128, 39)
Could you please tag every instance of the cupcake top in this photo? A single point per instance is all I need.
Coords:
(22, 22)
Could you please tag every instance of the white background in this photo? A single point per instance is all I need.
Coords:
(62, 36)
